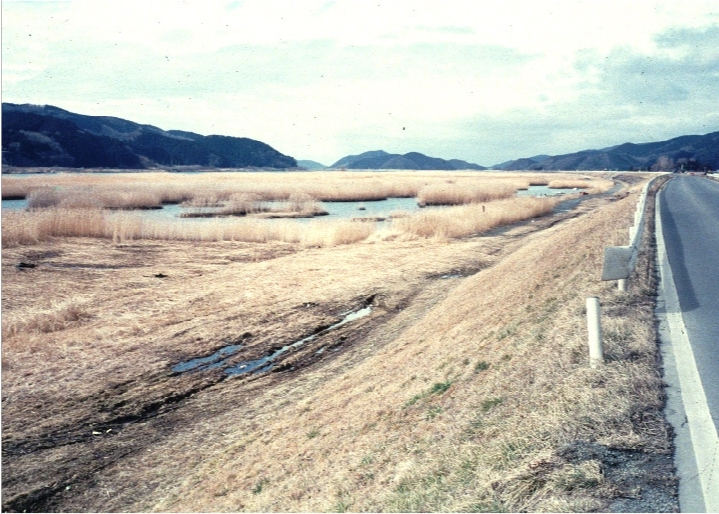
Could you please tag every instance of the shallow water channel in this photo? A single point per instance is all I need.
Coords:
(221, 358)
(378, 210)
(544, 191)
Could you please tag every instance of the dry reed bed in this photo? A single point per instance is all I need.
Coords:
(69, 205)
(87, 198)
(459, 194)
(479, 406)
(30, 227)
(142, 190)
(465, 220)
(570, 183)
(298, 204)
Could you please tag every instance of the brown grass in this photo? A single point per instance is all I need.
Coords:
(143, 190)
(72, 205)
(82, 198)
(459, 194)
(454, 395)
(30, 227)
(57, 317)
(472, 219)
(469, 408)
(590, 184)
(26, 228)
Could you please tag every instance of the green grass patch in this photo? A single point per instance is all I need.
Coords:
(491, 403)
(507, 331)
(481, 366)
(440, 387)
(259, 486)
(434, 411)
(437, 388)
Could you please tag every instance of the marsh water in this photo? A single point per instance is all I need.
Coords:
(380, 209)
(14, 205)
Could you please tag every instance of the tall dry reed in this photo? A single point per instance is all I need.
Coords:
(21, 227)
(30, 227)
(569, 184)
(458, 194)
(466, 220)
(93, 198)
(147, 189)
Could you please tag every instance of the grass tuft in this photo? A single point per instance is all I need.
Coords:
(490, 403)
(437, 388)
(481, 366)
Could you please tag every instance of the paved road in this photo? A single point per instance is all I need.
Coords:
(688, 314)
(690, 218)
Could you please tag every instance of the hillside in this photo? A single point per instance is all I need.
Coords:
(379, 159)
(34, 135)
(311, 165)
(47, 136)
(687, 152)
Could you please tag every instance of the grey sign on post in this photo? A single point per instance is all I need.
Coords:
(618, 262)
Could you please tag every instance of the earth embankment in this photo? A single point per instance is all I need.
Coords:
(466, 388)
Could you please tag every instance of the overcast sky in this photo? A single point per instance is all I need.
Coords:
(483, 81)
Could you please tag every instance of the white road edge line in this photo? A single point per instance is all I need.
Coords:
(703, 433)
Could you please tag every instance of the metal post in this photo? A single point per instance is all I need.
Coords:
(596, 353)
(622, 285)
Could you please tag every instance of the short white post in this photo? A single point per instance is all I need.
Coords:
(596, 354)
(622, 285)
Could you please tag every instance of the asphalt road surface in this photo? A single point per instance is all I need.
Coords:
(690, 218)
(687, 229)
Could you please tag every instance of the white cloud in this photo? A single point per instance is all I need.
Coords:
(475, 80)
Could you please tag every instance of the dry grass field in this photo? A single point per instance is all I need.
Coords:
(151, 189)
(466, 388)
(97, 205)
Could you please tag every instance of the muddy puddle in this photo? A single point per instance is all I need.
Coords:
(222, 357)
(14, 205)
(216, 360)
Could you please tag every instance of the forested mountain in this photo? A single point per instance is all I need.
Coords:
(379, 159)
(684, 152)
(43, 135)
(311, 165)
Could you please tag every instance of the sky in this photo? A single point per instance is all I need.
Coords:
(480, 80)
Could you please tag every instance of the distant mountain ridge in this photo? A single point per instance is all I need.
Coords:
(381, 160)
(684, 152)
(311, 165)
(44, 135)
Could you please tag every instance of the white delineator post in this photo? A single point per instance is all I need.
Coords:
(596, 353)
